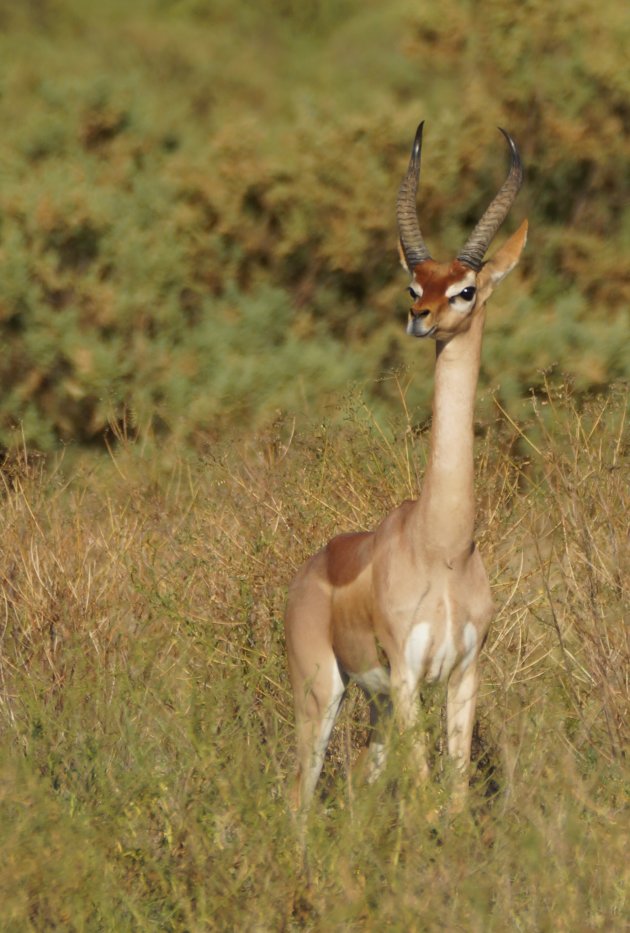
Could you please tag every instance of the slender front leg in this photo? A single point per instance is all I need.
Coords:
(460, 714)
(406, 713)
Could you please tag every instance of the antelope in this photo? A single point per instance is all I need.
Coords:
(414, 591)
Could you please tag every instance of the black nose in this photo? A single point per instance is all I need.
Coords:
(417, 315)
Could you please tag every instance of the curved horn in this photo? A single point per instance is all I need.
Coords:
(408, 228)
(479, 240)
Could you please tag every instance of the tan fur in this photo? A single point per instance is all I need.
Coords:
(415, 588)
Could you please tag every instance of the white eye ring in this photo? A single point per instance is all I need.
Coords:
(465, 296)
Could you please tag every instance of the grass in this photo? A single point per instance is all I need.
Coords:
(146, 722)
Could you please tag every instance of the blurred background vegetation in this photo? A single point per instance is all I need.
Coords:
(197, 224)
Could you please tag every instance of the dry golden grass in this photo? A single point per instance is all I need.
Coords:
(146, 717)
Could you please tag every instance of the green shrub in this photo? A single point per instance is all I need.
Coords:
(171, 170)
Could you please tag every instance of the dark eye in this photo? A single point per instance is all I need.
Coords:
(468, 293)
(412, 293)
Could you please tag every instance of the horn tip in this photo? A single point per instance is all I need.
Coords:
(417, 142)
(510, 141)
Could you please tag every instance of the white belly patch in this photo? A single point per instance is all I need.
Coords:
(375, 681)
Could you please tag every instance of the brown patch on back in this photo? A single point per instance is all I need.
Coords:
(347, 555)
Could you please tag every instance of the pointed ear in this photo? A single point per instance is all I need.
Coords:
(503, 261)
(401, 256)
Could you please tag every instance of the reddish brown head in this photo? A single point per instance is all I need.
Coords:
(446, 294)
(443, 297)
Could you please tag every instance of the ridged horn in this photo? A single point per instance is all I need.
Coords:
(411, 238)
(479, 240)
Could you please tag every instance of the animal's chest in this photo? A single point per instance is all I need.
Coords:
(436, 645)
(436, 621)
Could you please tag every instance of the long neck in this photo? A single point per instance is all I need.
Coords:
(446, 507)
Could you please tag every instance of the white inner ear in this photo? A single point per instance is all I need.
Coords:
(496, 274)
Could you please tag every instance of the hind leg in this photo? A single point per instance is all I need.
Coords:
(380, 724)
(317, 683)
(315, 715)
